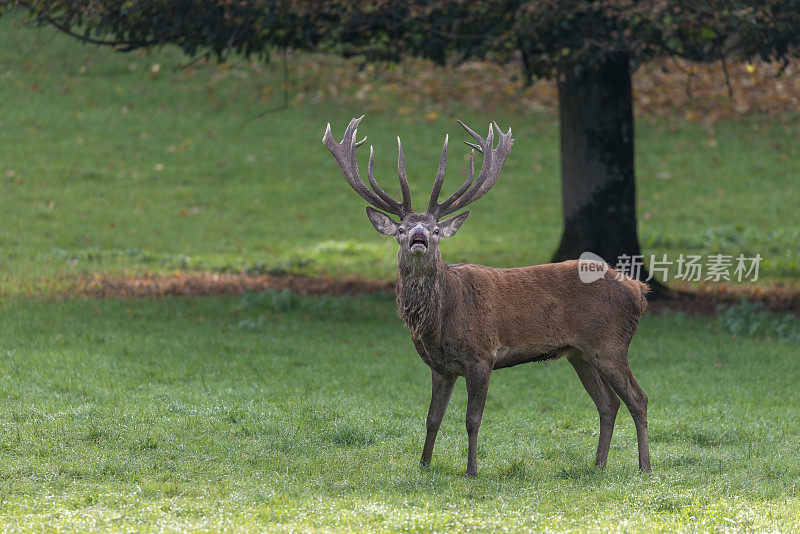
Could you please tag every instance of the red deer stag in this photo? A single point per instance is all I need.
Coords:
(467, 320)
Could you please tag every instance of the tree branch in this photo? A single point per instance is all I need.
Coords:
(120, 46)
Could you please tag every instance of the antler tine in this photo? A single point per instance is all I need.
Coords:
(344, 154)
(485, 148)
(437, 183)
(492, 166)
(372, 182)
(474, 134)
(401, 174)
(455, 198)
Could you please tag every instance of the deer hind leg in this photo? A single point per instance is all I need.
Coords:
(617, 373)
(604, 398)
(477, 388)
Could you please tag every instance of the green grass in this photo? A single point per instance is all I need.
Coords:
(108, 166)
(298, 414)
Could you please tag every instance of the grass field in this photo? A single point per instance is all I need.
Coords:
(308, 414)
(119, 163)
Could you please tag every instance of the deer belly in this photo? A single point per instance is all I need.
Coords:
(511, 356)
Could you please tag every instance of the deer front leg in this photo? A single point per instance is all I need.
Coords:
(442, 389)
(477, 388)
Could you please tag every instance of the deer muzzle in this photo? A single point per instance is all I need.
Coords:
(418, 241)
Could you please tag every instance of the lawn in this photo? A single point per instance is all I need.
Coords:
(122, 163)
(308, 414)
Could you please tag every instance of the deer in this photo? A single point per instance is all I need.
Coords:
(470, 320)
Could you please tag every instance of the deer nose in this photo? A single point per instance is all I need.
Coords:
(418, 232)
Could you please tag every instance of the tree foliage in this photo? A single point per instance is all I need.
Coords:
(549, 34)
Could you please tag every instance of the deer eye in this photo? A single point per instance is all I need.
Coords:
(401, 231)
(436, 232)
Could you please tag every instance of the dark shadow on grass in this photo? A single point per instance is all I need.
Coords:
(700, 437)
(709, 466)
(580, 472)
(345, 435)
(683, 461)
(516, 469)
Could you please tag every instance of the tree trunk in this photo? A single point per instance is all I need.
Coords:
(597, 167)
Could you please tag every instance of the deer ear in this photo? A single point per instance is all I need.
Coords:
(450, 226)
(382, 222)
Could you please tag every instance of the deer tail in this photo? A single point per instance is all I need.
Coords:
(640, 291)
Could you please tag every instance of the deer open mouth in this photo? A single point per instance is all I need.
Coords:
(418, 244)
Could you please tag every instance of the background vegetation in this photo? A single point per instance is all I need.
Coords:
(120, 163)
(590, 48)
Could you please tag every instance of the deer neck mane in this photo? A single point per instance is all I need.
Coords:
(420, 286)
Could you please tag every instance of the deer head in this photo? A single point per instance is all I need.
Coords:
(419, 234)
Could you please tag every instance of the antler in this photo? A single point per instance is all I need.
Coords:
(345, 155)
(492, 166)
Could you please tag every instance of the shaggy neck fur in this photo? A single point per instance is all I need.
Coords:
(419, 292)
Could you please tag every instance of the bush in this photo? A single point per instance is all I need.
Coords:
(751, 319)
